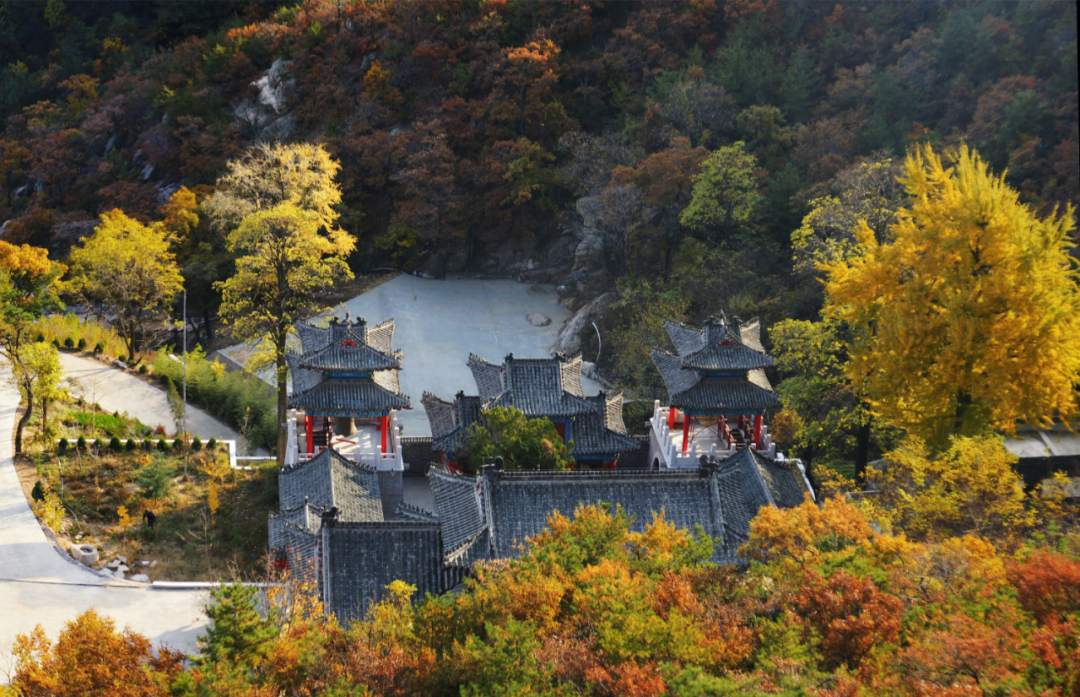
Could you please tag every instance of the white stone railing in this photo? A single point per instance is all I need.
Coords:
(390, 461)
(668, 443)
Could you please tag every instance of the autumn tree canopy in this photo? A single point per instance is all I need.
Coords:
(967, 318)
(128, 271)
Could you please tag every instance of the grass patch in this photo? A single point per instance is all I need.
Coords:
(210, 524)
(88, 333)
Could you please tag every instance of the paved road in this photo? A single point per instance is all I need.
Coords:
(40, 586)
(439, 323)
(116, 390)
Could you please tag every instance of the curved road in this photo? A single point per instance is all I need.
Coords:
(39, 585)
(116, 390)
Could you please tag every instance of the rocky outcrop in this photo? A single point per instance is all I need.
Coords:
(569, 341)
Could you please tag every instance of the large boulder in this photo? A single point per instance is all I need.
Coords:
(569, 341)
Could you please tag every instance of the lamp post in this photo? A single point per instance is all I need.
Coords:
(183, 418)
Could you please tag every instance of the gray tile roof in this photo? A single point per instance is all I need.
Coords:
(381, 336)
(675, 378)
(450, 421)
(537, 386)
(300, 547)
(457, 503)
(519, 503)
(488, 376)
(728, 395)
(351, 356)
(602, 432)
(302, 378)
(304, 517)
(570, 375)
(687, 389)
(363, 558)
(348, 395)
(329, 480)
(534, 385)
(716, 346)
(723, 498)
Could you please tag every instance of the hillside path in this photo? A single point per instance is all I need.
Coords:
(118, 391)
(40, 585)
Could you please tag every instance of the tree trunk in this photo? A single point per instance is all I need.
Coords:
(44, 415)
(282, 406)
(25, 417)
(862, 450)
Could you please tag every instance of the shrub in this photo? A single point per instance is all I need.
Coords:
(130, 445)
(159, 430)
(40, 337)
(155, 479)
(68, 343)
(230, 396)
(162, 445)
(81, 443)
(178, 445)
(211, 444)
(114, 444)
(82, 344)
(99, 444)
(38, 494)
(62, 446)
(99, 347)
(147, 444)
(122, 357)
(56, 343)
(196, 443)
(142, 369)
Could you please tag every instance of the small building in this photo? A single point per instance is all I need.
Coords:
(539, 387)
(337, 531)
(340, 528)
(346, 393)
(493, 514)
(717, 395)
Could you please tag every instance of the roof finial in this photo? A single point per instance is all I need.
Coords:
(346, 316)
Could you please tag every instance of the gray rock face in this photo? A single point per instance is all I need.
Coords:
(141, 578)
(569, 341)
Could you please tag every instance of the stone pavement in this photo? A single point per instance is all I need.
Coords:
(440, 322)
(39, 585)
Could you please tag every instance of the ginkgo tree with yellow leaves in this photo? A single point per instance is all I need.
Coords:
(128, 271)
(968, 318)
(288, 246)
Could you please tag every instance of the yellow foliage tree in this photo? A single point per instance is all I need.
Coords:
(283, 266)
(970, 488)
(968, 318)
(270, 175)
(127, 268)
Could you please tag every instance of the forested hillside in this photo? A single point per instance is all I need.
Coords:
(656, 160)
(477, 135)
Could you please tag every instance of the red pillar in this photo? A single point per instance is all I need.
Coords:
(685, 431)
(309, 428)
(757, 431)
(671, 417)
(384, 423)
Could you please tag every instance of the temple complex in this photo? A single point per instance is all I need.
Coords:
(346, 391)
(717, 394)
(539, 387)
(343, 524)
